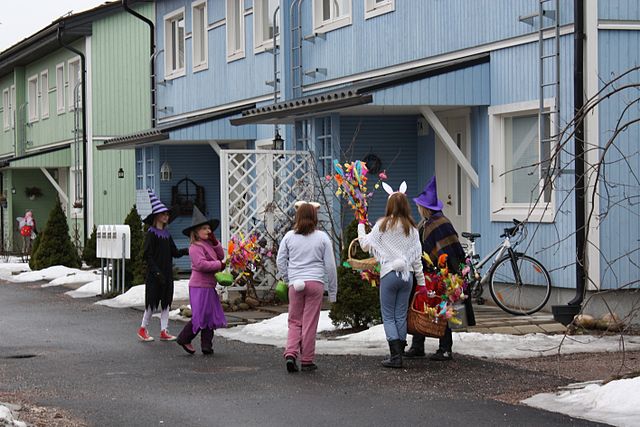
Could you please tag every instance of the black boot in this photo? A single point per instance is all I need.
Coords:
(395, 359)
(417, 348)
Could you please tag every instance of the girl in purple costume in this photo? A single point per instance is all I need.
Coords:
(207, 258)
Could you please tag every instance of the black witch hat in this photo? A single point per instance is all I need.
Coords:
(198, 219)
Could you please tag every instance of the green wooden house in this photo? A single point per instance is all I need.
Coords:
(79, 81)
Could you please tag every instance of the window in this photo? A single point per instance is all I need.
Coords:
(520, 164)
(263, 23)
(199, 30)
(324, 147)
(174, 44)
(60, 108)
(75, 86)
(303, 135)
(6, 110)
(145, 168)
(235, 29)
(331, 14)
(374, 8)
(44, 94)
(12, 106)
(32, 98)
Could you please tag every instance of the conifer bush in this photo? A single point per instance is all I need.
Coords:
(134, 267)
(89, 251)
(358, 303)
(54, 246)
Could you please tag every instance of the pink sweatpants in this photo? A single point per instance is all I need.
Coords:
(304, 312)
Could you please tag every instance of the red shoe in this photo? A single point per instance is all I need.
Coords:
(166, 336)
(143, 335)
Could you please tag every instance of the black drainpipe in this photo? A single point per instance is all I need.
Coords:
(2, 248)
(578, 102)
(152, 46)
(83, 65)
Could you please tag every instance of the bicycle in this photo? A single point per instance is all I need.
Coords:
(519, 284)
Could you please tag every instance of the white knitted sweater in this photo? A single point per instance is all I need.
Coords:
(394, 250)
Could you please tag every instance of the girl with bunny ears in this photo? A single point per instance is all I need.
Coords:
(394, 241)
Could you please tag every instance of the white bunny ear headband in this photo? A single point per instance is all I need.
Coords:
(402, 189)
(302, 202)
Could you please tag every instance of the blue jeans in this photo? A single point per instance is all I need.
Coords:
(394, 302)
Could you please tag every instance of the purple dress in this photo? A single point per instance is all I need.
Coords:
(206, 310)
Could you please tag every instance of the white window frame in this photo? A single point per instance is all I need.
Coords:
(234, 54)
(171, 70)
(12, 106)
(32, 98)
(73, 196)
(334, 22)
(60, 84)
(6, 110)
(44, 94)
(260, 12)
(199, 36)
(373, 8)
(500, 210)
(72, 80)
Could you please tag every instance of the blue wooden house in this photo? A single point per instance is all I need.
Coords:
(474, 93)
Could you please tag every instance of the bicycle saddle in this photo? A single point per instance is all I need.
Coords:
(470, 236)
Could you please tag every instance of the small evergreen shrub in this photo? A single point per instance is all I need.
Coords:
(358, 303)
(54, 244)
(34, 248)
(134, 267)
(89, 251)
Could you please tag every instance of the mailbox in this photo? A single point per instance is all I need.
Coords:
(113, 242)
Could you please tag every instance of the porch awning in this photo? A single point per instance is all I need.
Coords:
(357, 93)
(56, 157)
(162, 132)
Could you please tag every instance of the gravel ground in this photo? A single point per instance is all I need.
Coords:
(39, 416)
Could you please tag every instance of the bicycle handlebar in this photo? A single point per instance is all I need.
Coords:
(511, 231)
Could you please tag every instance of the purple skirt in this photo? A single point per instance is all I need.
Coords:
(206, 310)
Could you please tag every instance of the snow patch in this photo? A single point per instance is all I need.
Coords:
(134, 297)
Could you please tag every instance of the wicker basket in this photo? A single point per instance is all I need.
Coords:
(359, 264)
(419, 323)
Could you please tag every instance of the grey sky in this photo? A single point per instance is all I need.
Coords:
(21, 18)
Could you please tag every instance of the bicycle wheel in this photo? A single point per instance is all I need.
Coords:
(519, 297)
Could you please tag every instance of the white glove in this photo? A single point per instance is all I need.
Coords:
(398, 264)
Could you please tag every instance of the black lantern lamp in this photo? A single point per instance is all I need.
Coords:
(120, 173)
(278, 142)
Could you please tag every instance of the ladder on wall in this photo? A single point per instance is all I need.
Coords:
(295, 20)
(548, 22)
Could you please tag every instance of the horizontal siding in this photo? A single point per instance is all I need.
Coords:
(201, 164)
(219, 129)
(620, 189)
(394, 140)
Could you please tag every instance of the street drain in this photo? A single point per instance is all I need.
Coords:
(21, 356)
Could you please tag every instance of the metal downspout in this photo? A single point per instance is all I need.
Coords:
(152, 45)
(578, 102)
(83, 79)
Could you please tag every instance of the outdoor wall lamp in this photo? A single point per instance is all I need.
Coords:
(278, 142)
(165, 172)
(120, 173)
(13, 190)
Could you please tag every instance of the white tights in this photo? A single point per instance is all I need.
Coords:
(164, 318)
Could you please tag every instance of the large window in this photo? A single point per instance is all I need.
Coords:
(32, 98)
(324, 146)
(374, 8)
(263, 11)
(44, 94)
(174, 44)
(331, 14)
(60, 108)
(235, 29)
(520, 164)
(6, 110)
(199, 38)
(75, 84)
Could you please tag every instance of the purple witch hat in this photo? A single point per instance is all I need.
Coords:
(429, 197)
(156, 207)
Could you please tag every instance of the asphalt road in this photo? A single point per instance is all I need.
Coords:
(88, 361)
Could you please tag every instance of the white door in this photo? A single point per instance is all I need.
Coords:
(453, 184)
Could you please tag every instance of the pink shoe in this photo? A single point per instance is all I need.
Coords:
(166, 336)
(143, 335)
